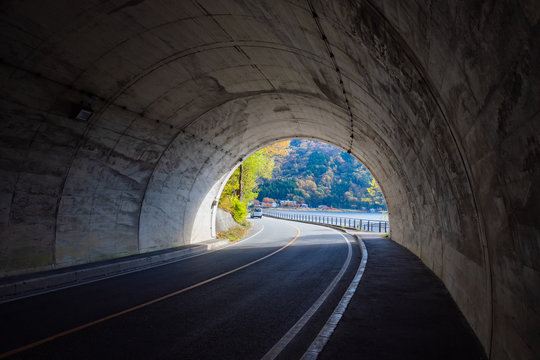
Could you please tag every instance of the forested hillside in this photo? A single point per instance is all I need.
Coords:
(320, 174)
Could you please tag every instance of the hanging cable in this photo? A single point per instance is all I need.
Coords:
(337, 69)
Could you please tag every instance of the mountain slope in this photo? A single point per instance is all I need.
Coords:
(320, 174)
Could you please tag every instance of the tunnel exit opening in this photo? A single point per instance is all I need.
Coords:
(304, 179)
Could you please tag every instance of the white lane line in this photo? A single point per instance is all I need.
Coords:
(324, 335)
(295, 329)
(127, 272)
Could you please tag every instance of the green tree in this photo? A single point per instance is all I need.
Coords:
(242, 186)
(375, 192)
(259, 165)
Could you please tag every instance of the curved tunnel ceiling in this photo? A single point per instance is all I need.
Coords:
(183, 91)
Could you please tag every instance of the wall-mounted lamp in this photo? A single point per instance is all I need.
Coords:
(82, 113)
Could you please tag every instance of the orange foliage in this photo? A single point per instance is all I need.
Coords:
(278, 149)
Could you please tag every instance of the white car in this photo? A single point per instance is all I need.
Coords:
(257, 212)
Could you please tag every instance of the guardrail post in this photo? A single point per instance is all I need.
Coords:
(353, 223)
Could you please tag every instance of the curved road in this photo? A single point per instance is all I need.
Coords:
(234, 303)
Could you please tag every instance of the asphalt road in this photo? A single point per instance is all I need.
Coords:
(235, 303)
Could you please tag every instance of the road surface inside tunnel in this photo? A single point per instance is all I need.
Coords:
(235, 303)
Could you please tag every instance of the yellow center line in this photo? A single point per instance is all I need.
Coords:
(137, 307)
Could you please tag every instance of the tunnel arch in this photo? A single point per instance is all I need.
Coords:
(444, 112)
(237, 138)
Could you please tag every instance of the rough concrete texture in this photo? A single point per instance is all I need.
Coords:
(439, 99)
(224, 221)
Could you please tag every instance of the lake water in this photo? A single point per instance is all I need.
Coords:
(345, 214)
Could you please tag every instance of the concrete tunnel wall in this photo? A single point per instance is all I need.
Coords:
(439, 100)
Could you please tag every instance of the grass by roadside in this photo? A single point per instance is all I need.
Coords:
(236, 233)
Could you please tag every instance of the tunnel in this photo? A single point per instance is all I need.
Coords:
(121, 121)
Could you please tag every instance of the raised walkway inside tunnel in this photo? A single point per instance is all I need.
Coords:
(400, 310)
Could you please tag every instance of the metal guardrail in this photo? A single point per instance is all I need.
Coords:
(358, 224)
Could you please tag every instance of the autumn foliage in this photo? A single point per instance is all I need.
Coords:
(242, 186)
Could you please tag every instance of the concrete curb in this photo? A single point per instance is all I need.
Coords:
(23, 286)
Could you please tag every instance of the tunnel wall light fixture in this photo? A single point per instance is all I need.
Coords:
(82, 113)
